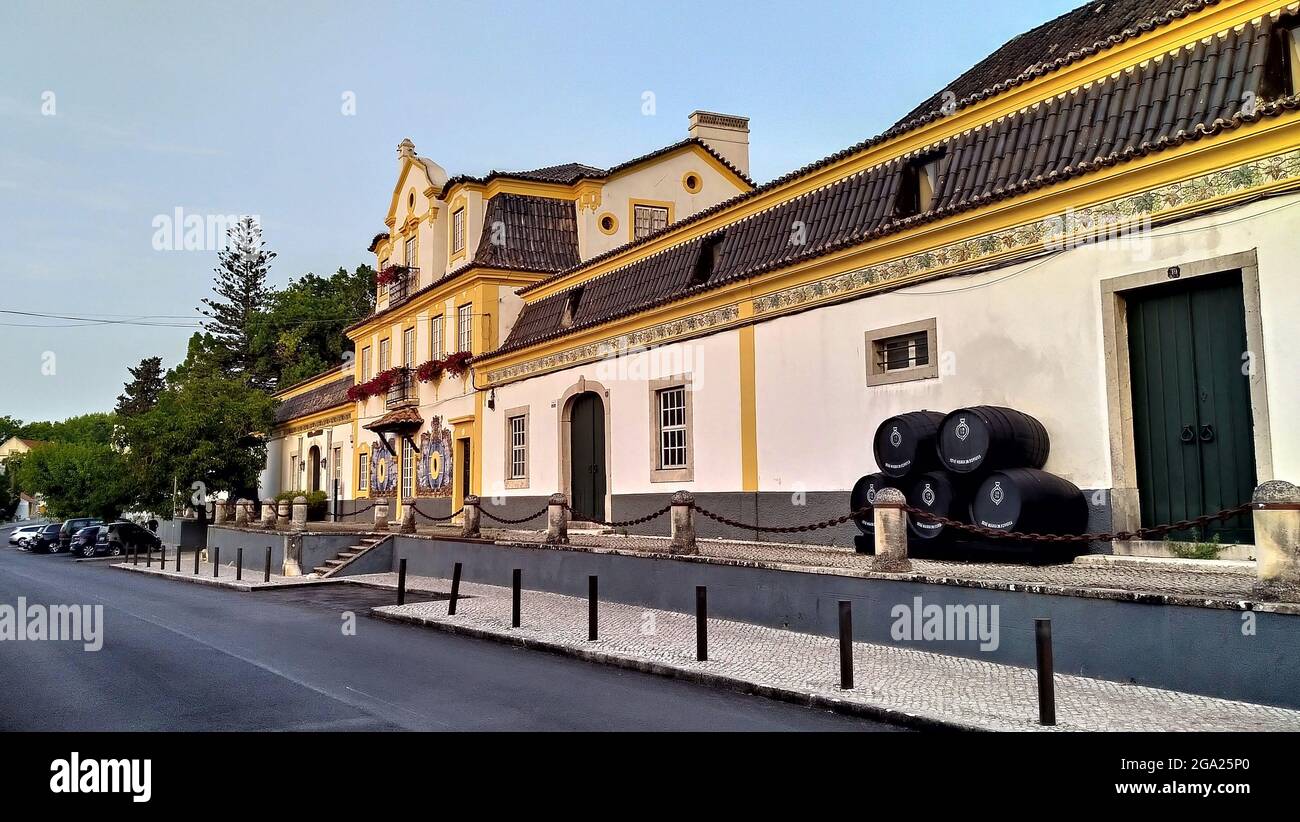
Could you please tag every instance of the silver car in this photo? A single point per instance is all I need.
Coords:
(20, 536)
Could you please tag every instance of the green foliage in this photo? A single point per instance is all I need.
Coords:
(1197, 550)
(301, 332)
(141, 393)
(241, 297)
(317, 502)
(207, 428)
(96, 428)
(76, 478)
(9, 427)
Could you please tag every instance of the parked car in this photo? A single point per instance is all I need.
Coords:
(117, 538)
(46, 540)
(20, 536)
(83, 542)
(71, 527)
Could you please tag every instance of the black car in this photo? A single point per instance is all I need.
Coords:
(71, 527)
(46, 540)
(117, 538)
(83, 542)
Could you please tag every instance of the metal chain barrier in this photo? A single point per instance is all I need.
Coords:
(1140, 533)
(627, 523)
(358, 511)
(787, 529)
(432, 518)
(490, 516)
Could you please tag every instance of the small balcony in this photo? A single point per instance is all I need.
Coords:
(400, 282)
(402, 392)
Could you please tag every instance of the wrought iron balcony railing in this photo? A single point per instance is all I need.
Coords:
(402, 285)
(402, 391)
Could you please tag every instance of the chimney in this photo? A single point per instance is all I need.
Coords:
(726, 134)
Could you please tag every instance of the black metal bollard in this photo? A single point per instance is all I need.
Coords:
(455, 590)
(266, 577)
(216, 562)
(701, 623)
(178, 559)
(592, 614)
(1046, 684)
(846, 644)
(148, 556)
(197, 552)
(135, 555)
(239, 563)
(162, 557)
(516, 583)
(401, 581)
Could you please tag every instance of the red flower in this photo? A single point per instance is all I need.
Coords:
(457, 364)
(391, 274)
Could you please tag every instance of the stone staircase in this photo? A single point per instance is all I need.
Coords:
(342, 558)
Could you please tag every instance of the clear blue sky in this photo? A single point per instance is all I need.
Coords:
(235, 107)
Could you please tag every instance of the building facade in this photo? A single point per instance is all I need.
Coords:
(1093, 225)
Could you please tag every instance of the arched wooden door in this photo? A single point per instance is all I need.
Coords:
(313, 468)
(587, 456)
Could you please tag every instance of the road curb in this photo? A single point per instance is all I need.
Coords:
(880, 713)
(202, 579)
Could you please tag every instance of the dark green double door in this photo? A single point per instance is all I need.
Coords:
(587, 456)
(1193, 432)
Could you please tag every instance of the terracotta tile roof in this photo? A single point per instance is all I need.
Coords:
(396, 419)
(534, 233)
(1181, 98)
(1113, 18)
(318, 399)
(374, 242)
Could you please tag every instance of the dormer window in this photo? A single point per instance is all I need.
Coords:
(919, 183)
(709, 259)
(571, 307)
(458, 231)
(1282, 63)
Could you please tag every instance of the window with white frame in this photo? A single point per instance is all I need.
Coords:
(365, 363)
(408, 347)
(647, 219)
(465, 328)
(382, 289)
(408, 469)
(383, 355)
(458, 231)
(902, 352)
(435, 337)
(672, 427)
(518, 447)
(412, 251)
(363, 472)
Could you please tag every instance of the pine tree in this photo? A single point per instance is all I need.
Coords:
(141, 393)
(242, 296)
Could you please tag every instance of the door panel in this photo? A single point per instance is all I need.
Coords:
(1193, 431)
(587, 455)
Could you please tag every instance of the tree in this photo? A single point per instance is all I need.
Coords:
(301, 333)
(141, 393)
(242, 295)
(206, 428)
(76, 479)
(96, 428)
(9, 427)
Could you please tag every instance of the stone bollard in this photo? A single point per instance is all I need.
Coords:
(241, 512)
(268, 513)
(219, 513)
(381, 515)
(1277, 541)
(682, 517)
(282, 513)
(891, 533)
(189, 513)
(299, 513)
(557, 520)
(408, 519)
(470, 521)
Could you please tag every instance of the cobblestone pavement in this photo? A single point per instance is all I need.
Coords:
(1230, 584)
(252, 577)
(934, 687)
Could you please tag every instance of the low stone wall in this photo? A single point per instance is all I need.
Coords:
(1233, 654)
(304, 550)
(189, 534)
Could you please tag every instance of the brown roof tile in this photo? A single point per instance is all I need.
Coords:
(532, 233)
(318, 399)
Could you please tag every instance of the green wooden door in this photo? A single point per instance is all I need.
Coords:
(587, 456)
(1193, 432)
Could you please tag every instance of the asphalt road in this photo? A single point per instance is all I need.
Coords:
(180, 656)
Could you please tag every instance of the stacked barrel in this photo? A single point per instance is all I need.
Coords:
(982, 465)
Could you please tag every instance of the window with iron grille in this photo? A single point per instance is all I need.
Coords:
(435, 337)
(518, 447)
(648, 219)
(465, 328)
(902, 352)
(458, 231)
(672, 428)
(408, 469)
(363, 472)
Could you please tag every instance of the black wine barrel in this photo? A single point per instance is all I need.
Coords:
(941, 493)
(905, 444)
(989, 438)
(1029, 501)
(864, 494)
